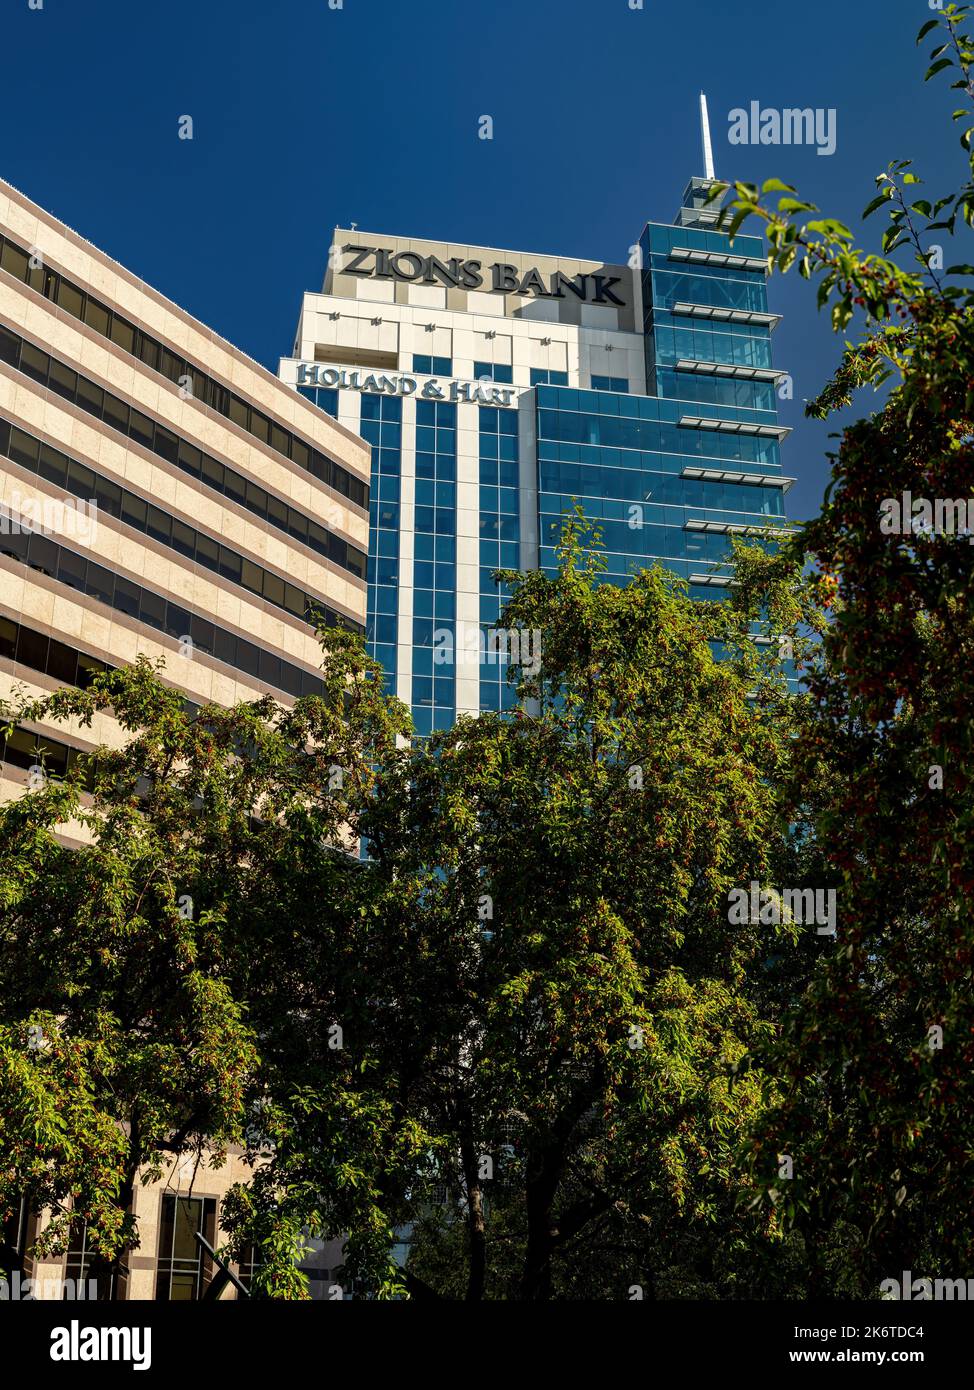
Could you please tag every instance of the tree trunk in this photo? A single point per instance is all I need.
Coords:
(476, 1226)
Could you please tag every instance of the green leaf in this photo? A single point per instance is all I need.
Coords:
(938, 67)
(930, 24)
(877, 203)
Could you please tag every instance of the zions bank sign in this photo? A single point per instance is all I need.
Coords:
(375, 263)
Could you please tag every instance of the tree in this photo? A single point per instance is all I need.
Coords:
(874, 1068)
(156, 996)
(570, 1001)
(529, 991)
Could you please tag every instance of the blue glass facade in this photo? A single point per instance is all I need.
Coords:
(381, 425)
(435, 570)
(500, 533)
(671, 475)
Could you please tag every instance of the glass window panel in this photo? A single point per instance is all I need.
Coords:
(274, 589)
(70, 298)
(71, 569)
(97, 316)
(152, 610)
(213, 473)
(166, 444)
(134, 511)
(208, 552)
(123, 334)
(251, 577)
(14, 261)
(230, 564)
(141, 429)
(127, 596)
(183, 538)
(158, 525)
(33, 362)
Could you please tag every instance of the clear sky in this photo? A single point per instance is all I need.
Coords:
(307, 116)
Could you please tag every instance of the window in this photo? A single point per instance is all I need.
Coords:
(492, 371)
(70, 298)
(96, 316)
(610, 383)
(78, 1267)
(541, 376)
(184, 1269)
(432, 366)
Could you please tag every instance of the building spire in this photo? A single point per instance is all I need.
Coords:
(708, 154)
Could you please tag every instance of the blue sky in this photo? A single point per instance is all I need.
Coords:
(307, 116)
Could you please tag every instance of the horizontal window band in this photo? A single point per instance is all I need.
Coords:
(109, 324)
(86, 576)
(57, 468)
(51, 657)
(64, 381)
(48, 655)
(722, 315)
(20, 747)
(700, 422)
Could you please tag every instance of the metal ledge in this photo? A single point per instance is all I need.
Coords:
(724, 528)
(713, 311)
(702, 422)
(728, 475)
(719, 258)
(728, 369)
(714, 581)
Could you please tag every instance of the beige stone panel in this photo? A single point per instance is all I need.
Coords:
(124, 645)
(96, 629)
(427, 296)
(21, 221)
(104, 729)
(68, 619)
(225, 691)
(228, 609)
(233, 529)
(36, 605)
(483, 302)
(279, 554)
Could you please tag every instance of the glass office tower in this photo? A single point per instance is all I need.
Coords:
(498, 387)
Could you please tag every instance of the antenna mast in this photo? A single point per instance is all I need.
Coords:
(708, 154)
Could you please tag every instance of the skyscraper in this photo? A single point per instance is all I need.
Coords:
(497, 387)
